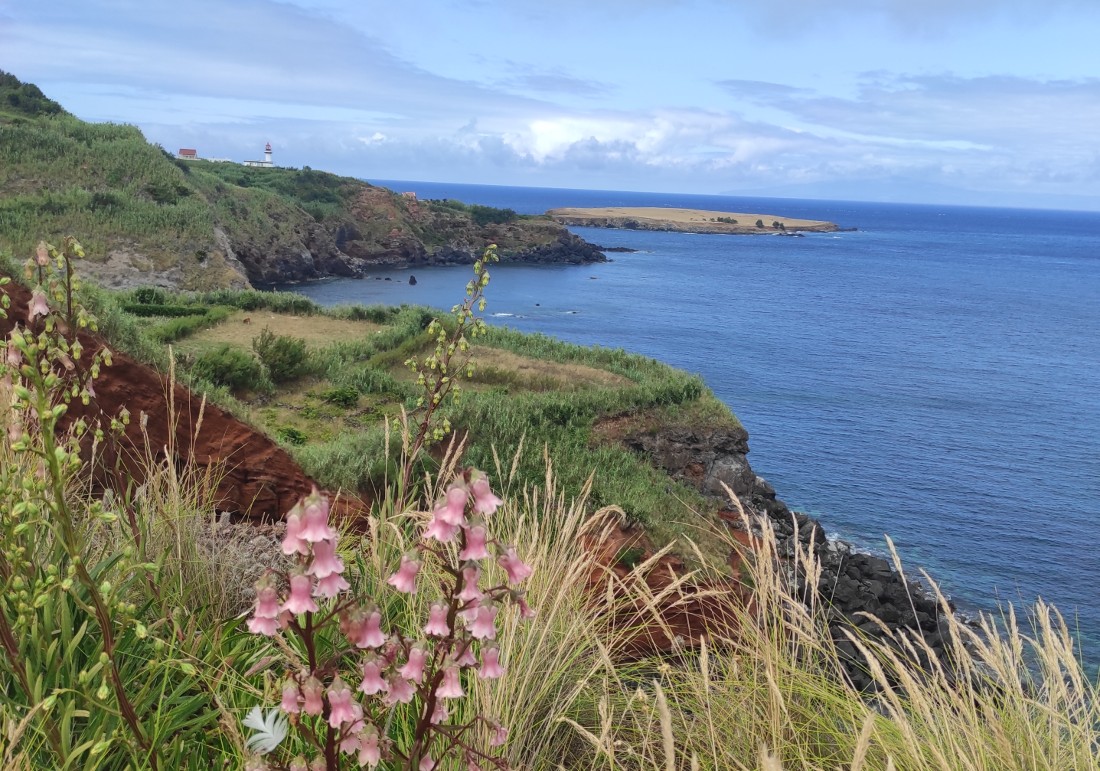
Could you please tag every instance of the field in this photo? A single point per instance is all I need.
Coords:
(690, 220)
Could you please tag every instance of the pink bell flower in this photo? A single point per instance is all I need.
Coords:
(300, 600)
(470, 577)
(372, 635)
(13, 357)
(426, 763)
(404, 580)
(516, 568)
(325, 560)
(413, 669)
(500, 735)
(315, 527)
(440, 530)
(467, 657)
(475, 543)
(484, 501)
(38, 305)
(526, 612)
(312, 696)
(400, 691)
(372, 676)
(342, 706)
(490, 663)
(437, 621)
(267, 597)
(451, 687)
(42, 255)
(484, 625)
(292, 698)
(268, 627)
(331, 585)
(370, 754)
(453, 509)
(469, 611)
(440, 713)
(293, 543)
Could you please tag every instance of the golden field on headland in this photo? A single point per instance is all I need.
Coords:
(685, 220)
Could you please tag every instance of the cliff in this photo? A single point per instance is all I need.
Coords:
(148, 218)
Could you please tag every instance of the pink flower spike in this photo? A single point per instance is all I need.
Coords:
(312, 693)
(330, 586)
(291, 703)
(441, 530)
(38, 306)
(453, 510)
(484, 626)
(490, 663)
(369, 752)
(325, 560)
(372, 677)
(300, 600)
(315, 527)
(470, 577)
(342, 707)
(404, 580)
(426, 763)
(475, 543)
(413, 669)
(400, 691)
(484, 501)
(437, 621)
(516, 568)
(450, 688)
(293, 543)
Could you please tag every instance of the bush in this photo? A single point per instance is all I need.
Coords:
(232, 368)
(291, 435)
(284, 356)
(343, 396)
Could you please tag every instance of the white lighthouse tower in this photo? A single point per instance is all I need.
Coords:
(266, 162)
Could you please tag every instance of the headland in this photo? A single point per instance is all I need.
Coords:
(687, 220)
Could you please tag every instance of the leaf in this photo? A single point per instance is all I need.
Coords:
(272, 729)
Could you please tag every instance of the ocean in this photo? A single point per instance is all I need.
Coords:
(933, 376)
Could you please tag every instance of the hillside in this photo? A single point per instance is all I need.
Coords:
(146, 217)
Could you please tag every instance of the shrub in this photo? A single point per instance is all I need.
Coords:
(291, 435)
(343, 396)
(284, 356)
(231, 367)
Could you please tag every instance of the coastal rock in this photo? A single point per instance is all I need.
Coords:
(852, 584)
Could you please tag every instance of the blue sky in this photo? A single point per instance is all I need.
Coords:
(964, 101)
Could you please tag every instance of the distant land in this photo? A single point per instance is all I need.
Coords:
(687, 220)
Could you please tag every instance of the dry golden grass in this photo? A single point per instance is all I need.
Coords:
(564, 376)
(317, 331)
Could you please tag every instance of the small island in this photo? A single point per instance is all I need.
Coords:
(687, 220)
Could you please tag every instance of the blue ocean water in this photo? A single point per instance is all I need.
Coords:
(934, 376)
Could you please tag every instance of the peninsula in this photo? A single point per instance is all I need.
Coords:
(686, 220)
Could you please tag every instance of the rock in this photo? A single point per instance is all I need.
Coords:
(412, 280)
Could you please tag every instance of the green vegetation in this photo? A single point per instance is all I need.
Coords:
(283, 356)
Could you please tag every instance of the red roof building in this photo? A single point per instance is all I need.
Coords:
(188, 153)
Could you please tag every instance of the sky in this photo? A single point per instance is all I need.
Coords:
(989, 102)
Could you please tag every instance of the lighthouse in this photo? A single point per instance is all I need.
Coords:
(266, 162)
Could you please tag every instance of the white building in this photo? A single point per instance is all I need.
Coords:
(267, 158)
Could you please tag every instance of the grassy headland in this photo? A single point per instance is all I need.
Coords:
(151, 218)
(685, 220)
